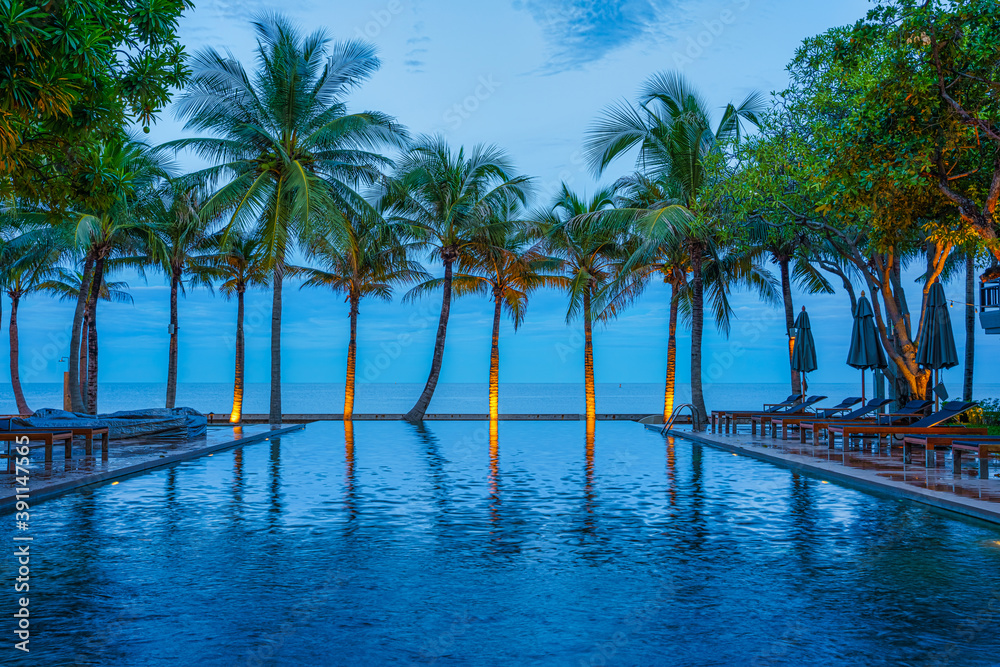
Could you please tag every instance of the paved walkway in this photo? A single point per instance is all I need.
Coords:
(125, 457)
(880, 472)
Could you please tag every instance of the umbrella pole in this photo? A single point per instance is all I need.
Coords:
(862, 386)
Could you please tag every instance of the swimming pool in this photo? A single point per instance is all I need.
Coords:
(393, 544)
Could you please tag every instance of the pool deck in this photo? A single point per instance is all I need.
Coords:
(881, 472)
(125, 458)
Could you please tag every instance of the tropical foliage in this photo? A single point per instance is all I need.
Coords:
(881, 156)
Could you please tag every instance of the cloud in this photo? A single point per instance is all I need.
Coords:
(582, 31)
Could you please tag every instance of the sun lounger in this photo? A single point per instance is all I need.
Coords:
(982, 448)
(840, 408)
(88, 434)
(800, 409)
(929, 425)
(932, 444)
(912, 411)
(48, 438)
(718, 416)
(812, 422)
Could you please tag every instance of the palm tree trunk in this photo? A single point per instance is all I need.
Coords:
(786, 295)
(416, 413)
(15, 376)
(172, 352)
(83, 351)
(352, 357)
(697, 324)
(970, 324)
(75, 350)
(236, 416)
(274, 417)
(668, 389)
(495, 358)
(95, 291)
(588, 357)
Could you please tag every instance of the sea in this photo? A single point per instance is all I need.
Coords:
(528, 398)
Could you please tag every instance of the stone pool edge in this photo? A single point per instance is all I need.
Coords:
(858, 479)
(7, 505)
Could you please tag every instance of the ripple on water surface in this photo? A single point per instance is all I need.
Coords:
(540, 544)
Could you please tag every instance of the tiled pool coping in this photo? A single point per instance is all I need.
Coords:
(865, 479)
(74, 480)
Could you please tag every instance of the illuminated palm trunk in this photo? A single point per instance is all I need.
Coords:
(352, 353)
(588, 358)
(95, 291)
(236, 416)
(697, 324)
(76, 350)
(274, 415)
(172, 351)
(15, 376)
(668, 390)
(495, 359)
(83, 352)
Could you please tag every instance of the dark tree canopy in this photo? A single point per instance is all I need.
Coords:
(76, 72)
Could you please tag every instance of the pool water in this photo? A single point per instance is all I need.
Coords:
(543, 543)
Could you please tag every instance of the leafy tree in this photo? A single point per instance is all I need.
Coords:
(446, 198)
(76, 73)
(872, 147)
(289, 155)
(364, 262)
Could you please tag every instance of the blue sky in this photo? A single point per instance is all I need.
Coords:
(529, 75)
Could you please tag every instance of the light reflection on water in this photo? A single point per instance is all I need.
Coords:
(528, 543)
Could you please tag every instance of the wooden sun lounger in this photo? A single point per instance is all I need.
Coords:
(817, 427)
(849, 431)
(88, 434)
(719, 417)
(979, 448)
(48, 438)
(801, 409)
(975, 441)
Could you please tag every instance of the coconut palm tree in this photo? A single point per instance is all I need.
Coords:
(107, 237)
(288, 153)
(500, 264)
(591, 247)
(668, 258)
(366, 261)
(65, 286)
(240, 263)
(177, 243)
(23, 274)
(446, 197)
(672, 129)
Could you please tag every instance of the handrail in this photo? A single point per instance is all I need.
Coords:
(695, 416)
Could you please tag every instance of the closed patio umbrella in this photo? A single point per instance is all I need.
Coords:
(804, 352)
(936, 340)
(866, 349)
